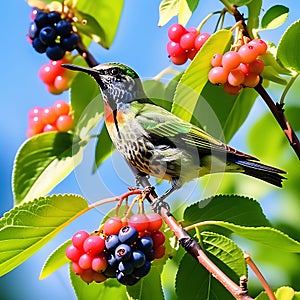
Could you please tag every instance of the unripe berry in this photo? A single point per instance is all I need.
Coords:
(64, 123)
(94, 245)
(251, 80)
(85, 261)
(112, 226)
(61, 107)
(155, 221)
(48, 114)
(140, 222)
(231, 60)
(231, 90)
(179, 60)
(216, 60)
(245, 68)
(187, 41)
(218, 75)
(49, 128)
(79, 238)
(99, 263)
(248, 53)
(257, 66)
(260, 46)
(174, 49)
(73, 253)
(200, 40)
(236, 77)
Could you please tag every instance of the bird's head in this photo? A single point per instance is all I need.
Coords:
(118, 83)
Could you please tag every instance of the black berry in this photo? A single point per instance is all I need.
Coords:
(39, 46)
(48, 35)
(128, 235)
(142, 271)
(55, 52)
(54, 17)
(41, 19)
(138, 258)
(111, 242)
(64, 28)
(123, 252)
(126, 267)
(69, 43)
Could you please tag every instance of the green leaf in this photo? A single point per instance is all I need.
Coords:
(28, 227)
(230, 114)
(55, 260)
(92, 29)
(106, 13)
(240, 2)
(107, 290)
(225, 250)
(149, 287)
(282, 293)
(194, 282)
(274, 17)
(86, 103)
(288, 48)
(254, 9)
(104, 147)
(42, 162)
(265, 235)
(235, 209)
(195, 76)
(167, 10)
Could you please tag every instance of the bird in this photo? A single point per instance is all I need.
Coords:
(158, 143)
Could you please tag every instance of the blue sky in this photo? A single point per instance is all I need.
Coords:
(140, 44)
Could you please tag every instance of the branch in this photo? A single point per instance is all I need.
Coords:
(86, 55)
(192, 247)
(276, 109)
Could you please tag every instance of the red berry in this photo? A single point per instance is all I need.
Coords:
(30, 133)
(159, 252)
(257, 66)
(98, 277)
(179, 60)
(64, 123)
(158, 238)
(216, 61)
(53, 90)
(61, 107)
(175, 32)
(245, 68)
(37, 124)
(155, 221)
(259, 45)
(200, 40)
(112, 226)
(248, 53)
(94, 245)
(34, 112)
(33, 13)
(73, 253)
(140, 222)
(87, 275)
(61, 83)
(47, 74)
(187, 40)
(79, 238)
(236, 77)
(99, 264)
(217, 75)
(85, 261)
(192, 53)
(48, 114)
(231, 60)
(49, 128)
(76, 269)
(174, 49)
(251, 80)
(231, 90)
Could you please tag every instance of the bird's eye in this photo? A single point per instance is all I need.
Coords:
(114, 71)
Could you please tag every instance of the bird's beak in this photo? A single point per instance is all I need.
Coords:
(89, 71)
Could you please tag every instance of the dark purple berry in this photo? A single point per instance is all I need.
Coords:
(110, 272)
(112, 261)
(55, 52)
(138, 258)
(126, 279)
(123, 252)
(150, 255)
(54, 17)
(41, 19)
(125, 267)
(145, 243)
(142, 271)
(69, 43)
(111, 242)
(39, 46)
(128, 235)
(64, 28)
(33, 30)
(48, 35)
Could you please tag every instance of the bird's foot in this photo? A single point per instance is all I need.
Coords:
(158, 204)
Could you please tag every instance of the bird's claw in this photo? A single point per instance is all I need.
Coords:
(158, 204)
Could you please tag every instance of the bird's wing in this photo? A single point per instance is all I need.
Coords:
(163, 125)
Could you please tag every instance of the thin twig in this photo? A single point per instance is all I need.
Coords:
(260, 277)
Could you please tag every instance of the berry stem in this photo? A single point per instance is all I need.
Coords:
(86, 55)
(288, 86)
(259, 275)
(191, 246)
(207, 18)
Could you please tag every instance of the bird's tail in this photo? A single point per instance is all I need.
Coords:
(261, 171)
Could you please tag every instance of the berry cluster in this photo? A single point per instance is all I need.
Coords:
(56, 78)
(237, 69)
(124, 250)
(53, 118)
(184, 43)
(51, 34)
